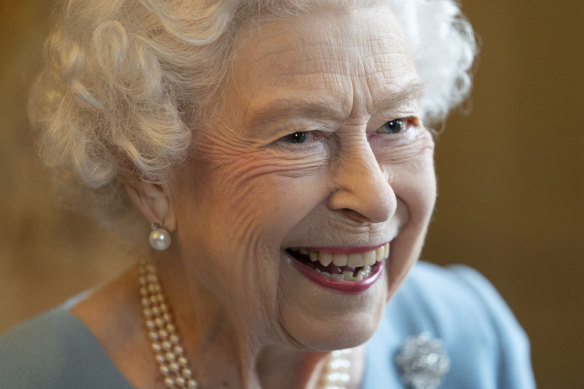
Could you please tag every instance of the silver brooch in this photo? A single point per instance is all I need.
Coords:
(422, 362)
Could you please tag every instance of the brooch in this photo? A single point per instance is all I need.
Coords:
(422, 362)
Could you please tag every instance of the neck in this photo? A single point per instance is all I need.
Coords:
(225, 350)
(278, 367)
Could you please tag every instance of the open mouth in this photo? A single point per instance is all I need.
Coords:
(339, 265)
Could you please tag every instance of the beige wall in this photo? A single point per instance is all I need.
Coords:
(511, 178)
(512, 175)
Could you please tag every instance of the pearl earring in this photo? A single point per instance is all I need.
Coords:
(159, 237)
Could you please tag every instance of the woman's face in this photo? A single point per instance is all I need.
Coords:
(315, 145)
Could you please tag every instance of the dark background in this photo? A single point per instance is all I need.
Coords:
(511, 181)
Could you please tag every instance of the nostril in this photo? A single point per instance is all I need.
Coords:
(354, 216)
(366, 204)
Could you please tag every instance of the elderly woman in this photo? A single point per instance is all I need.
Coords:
(279, 152)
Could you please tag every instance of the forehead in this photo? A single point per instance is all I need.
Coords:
(351, 59)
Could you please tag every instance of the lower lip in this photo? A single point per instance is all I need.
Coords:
(351, 287)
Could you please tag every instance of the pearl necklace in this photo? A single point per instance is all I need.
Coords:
(169, 354)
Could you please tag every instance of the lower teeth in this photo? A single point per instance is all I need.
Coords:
(363, 273)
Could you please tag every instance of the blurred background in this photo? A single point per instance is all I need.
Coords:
(511, 180)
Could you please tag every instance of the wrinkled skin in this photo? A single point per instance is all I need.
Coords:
(248, 194)
(249, 318)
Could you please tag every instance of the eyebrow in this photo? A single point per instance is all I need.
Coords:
(285, 108)
(410, 91)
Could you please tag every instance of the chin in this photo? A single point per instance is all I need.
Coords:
(341, 332)
(319, 319)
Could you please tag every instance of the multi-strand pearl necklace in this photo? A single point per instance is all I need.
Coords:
(170, 356)
(169, 353)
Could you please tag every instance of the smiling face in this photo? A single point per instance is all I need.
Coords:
(315, 154)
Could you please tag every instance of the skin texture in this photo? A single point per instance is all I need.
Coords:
(248, 318)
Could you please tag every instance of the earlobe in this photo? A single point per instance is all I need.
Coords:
(154, 201)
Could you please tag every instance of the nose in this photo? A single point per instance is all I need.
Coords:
(361, 185)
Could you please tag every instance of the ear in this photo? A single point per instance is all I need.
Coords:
(154, 201)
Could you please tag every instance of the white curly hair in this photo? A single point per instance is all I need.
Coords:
(124, 82)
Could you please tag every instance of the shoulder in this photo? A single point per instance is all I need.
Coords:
(486, 346)
(55, 350)
(454, 297)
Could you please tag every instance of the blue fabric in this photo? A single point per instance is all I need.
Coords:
(487, 347)
(56, 351)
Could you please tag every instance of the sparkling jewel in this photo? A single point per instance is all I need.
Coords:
(169, 354)
(422, 362)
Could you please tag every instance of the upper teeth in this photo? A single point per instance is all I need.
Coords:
(367, 258)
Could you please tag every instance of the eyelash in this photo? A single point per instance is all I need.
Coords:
(295, 138)
(300, 137)
(395, 126)
(403, 123)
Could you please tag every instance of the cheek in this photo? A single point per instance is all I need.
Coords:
(413, 178)
(414, 183)
(239, 210)
(252, 198)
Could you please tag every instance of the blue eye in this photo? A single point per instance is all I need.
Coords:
(297, 137)
(395, 126)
